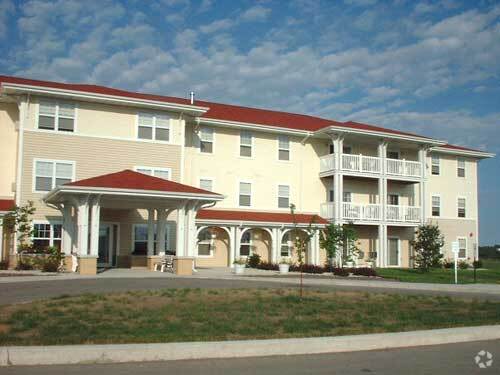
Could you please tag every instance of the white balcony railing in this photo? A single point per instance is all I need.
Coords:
(372, 212)
(372, 165)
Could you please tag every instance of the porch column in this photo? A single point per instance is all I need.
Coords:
(161, 225)
(151, 231)
(181, 220)
(237, 243)
(190, 230)
(422, 156)
(94, 229)
(275, 247)
(232, 245)
(67, 230)
(83, 227)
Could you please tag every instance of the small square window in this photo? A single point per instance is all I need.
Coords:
(461, 207)
(145, 132)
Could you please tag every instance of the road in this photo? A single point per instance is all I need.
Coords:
(454, 359)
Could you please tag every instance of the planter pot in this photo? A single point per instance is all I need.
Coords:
(349, 264)
(369, 264)
(284, 268)
(239, 269)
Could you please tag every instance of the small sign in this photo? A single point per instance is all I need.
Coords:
(455, 247)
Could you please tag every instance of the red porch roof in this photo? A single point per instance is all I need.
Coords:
(6, 204)
(267, 217)
(132, 180)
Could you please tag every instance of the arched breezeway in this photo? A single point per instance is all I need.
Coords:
(213, 247)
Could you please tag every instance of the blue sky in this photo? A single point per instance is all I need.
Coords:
(430, 67)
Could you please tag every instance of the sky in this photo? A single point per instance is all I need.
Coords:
(430, 67)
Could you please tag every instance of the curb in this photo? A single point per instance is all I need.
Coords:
(86, 354)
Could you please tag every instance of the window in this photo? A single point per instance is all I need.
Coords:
(436, 205)
(331, 148)
(206, 184)
(283, 196)
(460, 167)
(347, 150)
(58, 116)
(206, 140)
(153, 126)
(331, 195)
(461, 207)
(140, 245)
(435, 169)
(347, 197)
(45, 235)
(156, 172)
(393, 200)
(286, 245)
(50, 174)
(245, 194)
(462, 247)
(206, 243)
(246, 144)
(246, 244)
(392, 155)
(283, 147)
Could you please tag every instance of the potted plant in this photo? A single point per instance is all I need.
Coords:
(284, 265)
(239, 265)
(372, 260)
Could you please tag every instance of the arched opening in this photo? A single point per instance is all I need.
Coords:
(288, 245)
(212, 247)
(256, 241)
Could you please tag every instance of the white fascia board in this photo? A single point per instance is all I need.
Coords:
(11, 88)
(255, 223)
(251, 126)
(418, 139)
(475, 154)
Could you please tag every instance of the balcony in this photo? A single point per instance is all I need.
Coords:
(372, 212)
(371, 165)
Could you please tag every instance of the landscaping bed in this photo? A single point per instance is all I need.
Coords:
(176, 315)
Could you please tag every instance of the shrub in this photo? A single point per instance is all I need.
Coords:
(268, 266)
(50, 265)
(308, 268)
(24, 264)
(447, 263)
(4, 265)
(340, 271)
(253, 260)
(364, 271)
(477, 264)
(463, 264)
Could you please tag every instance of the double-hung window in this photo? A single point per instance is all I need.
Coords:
(462, 247)
(461, 202)
(58, 116)
(206, 140)
(286, 245)
(46, 235)
(52, 173)
(153, 126)
(246, 144)
(347, 197)
(246, 244)
(435, 165)
(436, 205)
(206, 184)
(460, 167)
(393, 199)
(156, 172)
(283, 196)
(283, 147)
(140, 245)
(205, 243)
(245, 198)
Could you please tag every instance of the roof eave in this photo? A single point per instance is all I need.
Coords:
(254, 222)
(248, 125)
(471, 153)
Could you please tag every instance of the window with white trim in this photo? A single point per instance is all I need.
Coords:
(283, 147)
(460, 167)
(436, 205)
(286, 245)
(54, 115)
(46, 235)
(156, 172)
(462, 247)
(461, 203)
(283, 196)
(50, 174)
(206, 243)
(245, 198)
(206, 184)
(435, 165)
(393, 199)
(347, 197)
(140, 242)
(153, 126)
(391, 154)
(331, 195)
(246, 244)
(246, 144)
(206, 140)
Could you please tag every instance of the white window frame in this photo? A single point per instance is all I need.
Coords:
(167, 233)
(466, 245)
(349, 194)
(288, 244)
(440, 205)
(207, 179)
(212, 246)
(396, 151)
(54, 162)
(289, 149)
(56, 116)
(278, 195)
(249, 243)
(51, 231)
(153, 127)
(465, 207)
(200, 140)
(251, 145)
(239, 193)
(153, 170)
(438, 164)
(459, 160)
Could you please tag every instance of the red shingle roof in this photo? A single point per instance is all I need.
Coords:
(460, 148)
(267, 217)
(6, 204)
(132, 180)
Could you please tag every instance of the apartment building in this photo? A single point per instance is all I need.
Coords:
(118, 178)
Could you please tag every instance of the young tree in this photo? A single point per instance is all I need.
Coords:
(427, 245)
(20, 221)
(336, 237)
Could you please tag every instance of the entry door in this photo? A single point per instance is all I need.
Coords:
(105, 245)
(393, 249)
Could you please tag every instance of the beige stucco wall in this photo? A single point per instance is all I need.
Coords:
(9, 116)
(220, 256)
(454, 228)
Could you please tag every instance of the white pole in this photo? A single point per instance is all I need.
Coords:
(455, 249)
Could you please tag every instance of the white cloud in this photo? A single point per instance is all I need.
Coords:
(216, 26)
(7, 8)
(256, 13)
(360, 2)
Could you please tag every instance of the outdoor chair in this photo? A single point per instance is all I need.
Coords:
(166, 263)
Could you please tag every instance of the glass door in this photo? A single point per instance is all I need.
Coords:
(105, 245)
(393, 250)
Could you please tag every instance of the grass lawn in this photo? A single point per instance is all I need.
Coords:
(224, 314)
(490, 273)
